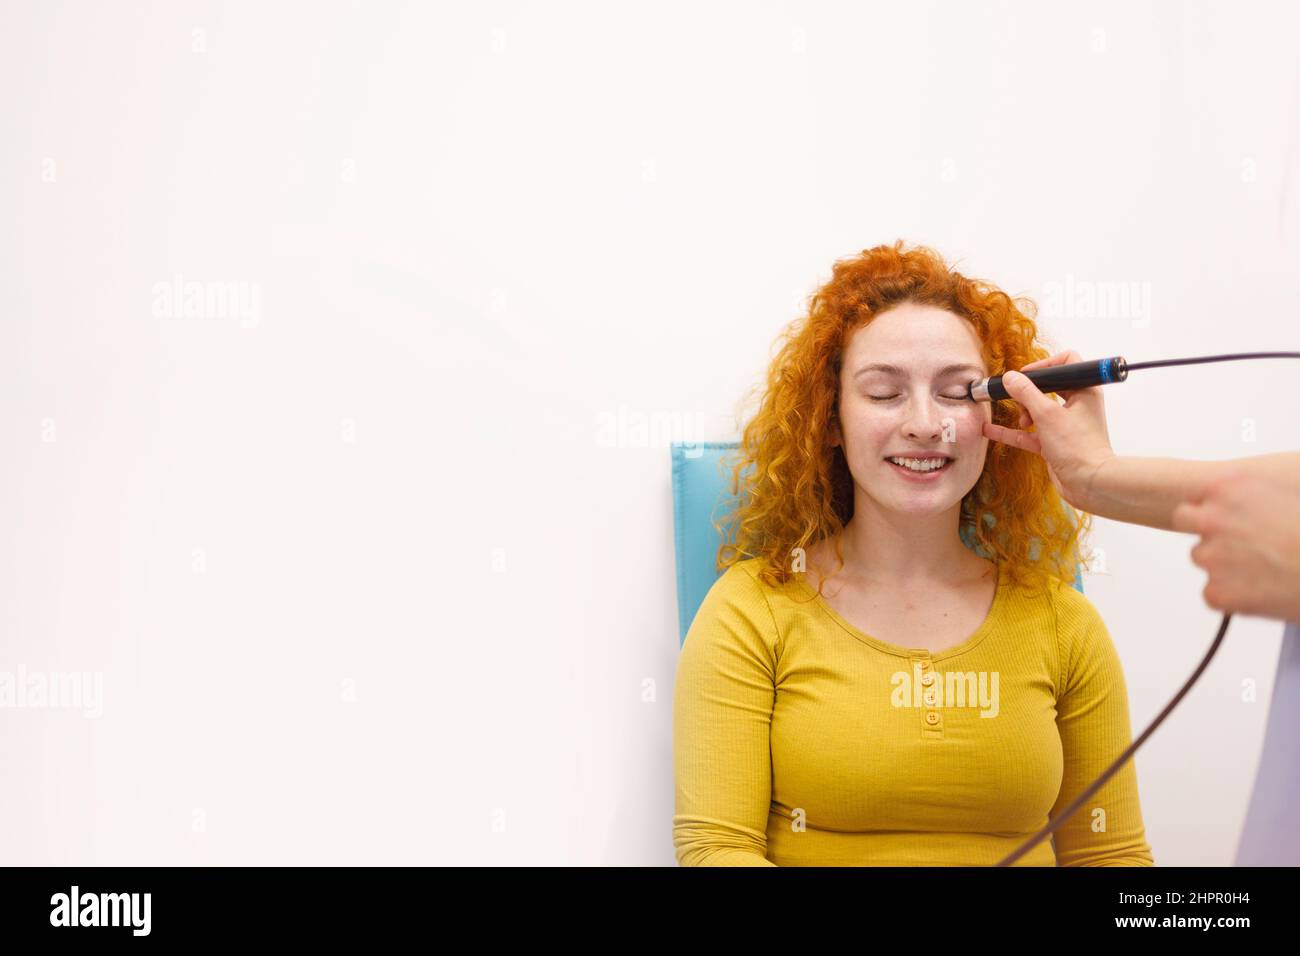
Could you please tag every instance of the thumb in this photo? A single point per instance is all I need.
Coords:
(1188, 517)
(1025, 392)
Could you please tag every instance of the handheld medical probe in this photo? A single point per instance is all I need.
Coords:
(1062, 378)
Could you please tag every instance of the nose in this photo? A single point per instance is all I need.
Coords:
(924, 421)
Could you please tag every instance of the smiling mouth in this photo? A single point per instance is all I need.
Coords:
(922, 465)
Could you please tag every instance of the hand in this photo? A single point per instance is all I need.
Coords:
(1250, 543)
(1071, 435)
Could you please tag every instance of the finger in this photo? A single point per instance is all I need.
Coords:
(1092, 393)
(1060, 358)
(1069, 396)
(1025, 441)
(1189, 518)
(1214, 597)
(1228, 590)
(1026, 393)
(1225, 478)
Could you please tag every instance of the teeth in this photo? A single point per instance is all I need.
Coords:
(920, 464)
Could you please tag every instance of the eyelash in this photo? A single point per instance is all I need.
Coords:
(886, 398)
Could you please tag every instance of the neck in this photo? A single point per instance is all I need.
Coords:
(896, 548)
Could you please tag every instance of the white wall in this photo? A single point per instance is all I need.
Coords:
(363, 574)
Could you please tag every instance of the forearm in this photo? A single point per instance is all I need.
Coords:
(1147, 490)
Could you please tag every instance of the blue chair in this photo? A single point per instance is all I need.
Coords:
(701, 496)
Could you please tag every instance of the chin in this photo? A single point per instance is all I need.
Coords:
(924, 509)
(919, 505)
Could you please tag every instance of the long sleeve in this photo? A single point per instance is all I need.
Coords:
(722, 717)
(1093, 722)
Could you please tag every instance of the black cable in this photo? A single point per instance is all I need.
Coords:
(1212, 358)
(1086, 374)
(1122, 758)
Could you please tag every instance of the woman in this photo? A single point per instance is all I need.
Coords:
(860, 686)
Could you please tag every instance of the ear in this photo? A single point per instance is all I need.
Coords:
(836, 437)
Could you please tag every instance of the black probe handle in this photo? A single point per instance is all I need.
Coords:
(1063, 378)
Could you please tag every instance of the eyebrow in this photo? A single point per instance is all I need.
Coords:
(895, 370)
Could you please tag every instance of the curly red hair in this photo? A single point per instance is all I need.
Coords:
(791, 488)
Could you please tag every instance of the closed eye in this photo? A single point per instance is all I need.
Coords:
(886, 398)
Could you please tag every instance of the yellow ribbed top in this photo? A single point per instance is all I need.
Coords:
(798, 740)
